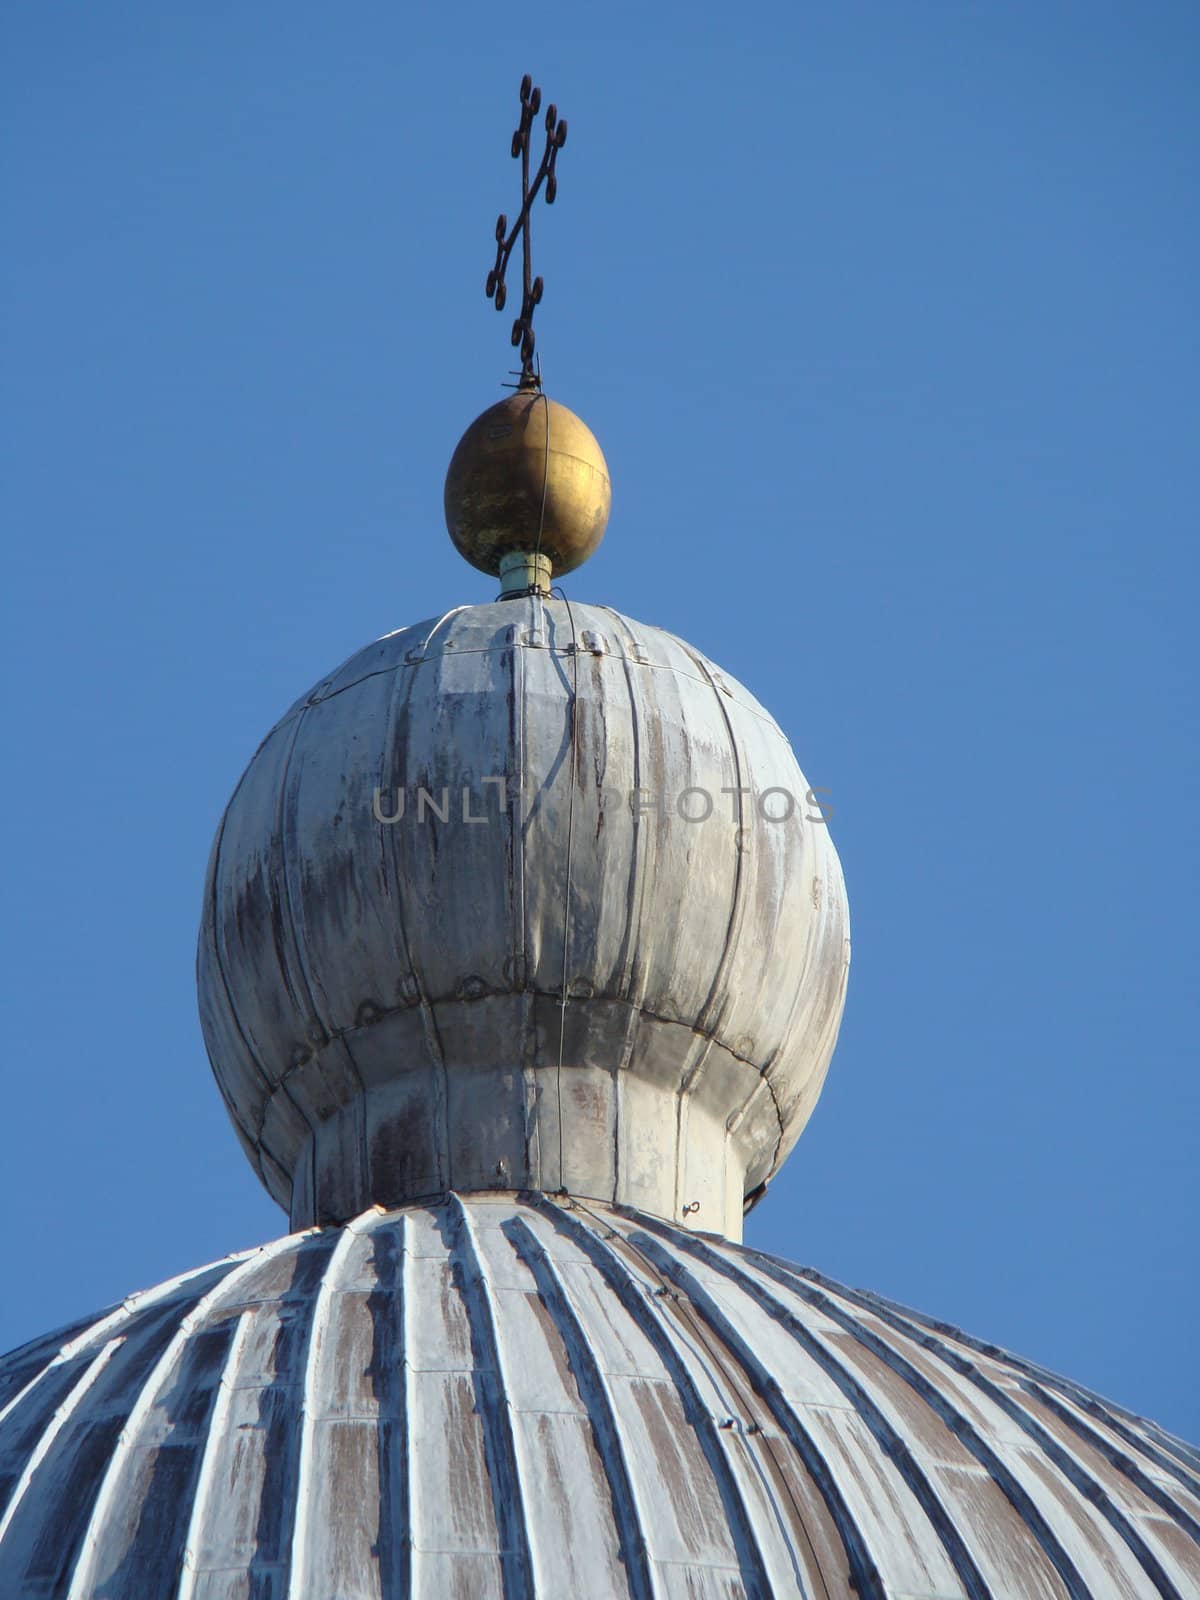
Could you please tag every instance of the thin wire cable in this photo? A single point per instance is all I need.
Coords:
(562, 1010)
(544, 398)
(566, 926)
(535, 593)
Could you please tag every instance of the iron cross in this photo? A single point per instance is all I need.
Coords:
(556, 137)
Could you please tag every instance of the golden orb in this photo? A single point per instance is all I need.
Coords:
(527, 479)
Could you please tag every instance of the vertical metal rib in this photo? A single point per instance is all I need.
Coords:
(204, 1494)
(393, 879)
(309, 1491)
(401, 1553)
(500, 1442)
(53, 1428)
(597, 1397)
(516, 878)
(629, 1292)
(1091, 1490)
(274, 1085)
(440, 623)
(318, 1010)
(288, 945)
(573, 790)
(84, 1577)
(707, 1021)
(891, 1442)
(712, 1012)
(631, 976)
(865, 1576)
(212, 920)
(966, 1433)
(107, 1326)
(1116, 1458)
(736, 1388)
(1182, 1451)
(1172, 1455)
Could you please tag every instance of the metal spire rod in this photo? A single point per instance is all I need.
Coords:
(556, 137)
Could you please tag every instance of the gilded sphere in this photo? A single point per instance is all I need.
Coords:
(507, 492)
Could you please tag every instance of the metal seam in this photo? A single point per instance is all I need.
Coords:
(597, 1399)
(1116, 1458)
(543, 397)
(500, 1439)
(493, 649)
(1085, 1485)
(278, 1086)
(737, 911)
(516, 827)
(274, 1085)
(722, 1354)
(1026, 1507)
(322, 1308)
(1103, 1411)
(104, 1325)
(406, 1584)
(393, 879)
(574, 780)
(212, 916)
(616, 1274)
(207, 1468)
(313, 1123)
(204, 1489)
(633, 991)
(890, 1440)
(147, 1394)
(59, 1418)
(319, 1013)
(283, 1086)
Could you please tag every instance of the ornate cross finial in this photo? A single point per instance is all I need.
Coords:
(556, 137)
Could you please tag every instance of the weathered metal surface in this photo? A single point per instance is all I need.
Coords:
(523, 572)
(585, 798)
(508, 1396)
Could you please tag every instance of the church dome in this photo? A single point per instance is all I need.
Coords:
(529, 895)
(508, 1394)
(522, 959)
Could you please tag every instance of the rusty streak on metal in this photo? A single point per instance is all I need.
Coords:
(506, 238)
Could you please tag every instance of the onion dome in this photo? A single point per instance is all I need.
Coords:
(512, 1395)
(532, 896)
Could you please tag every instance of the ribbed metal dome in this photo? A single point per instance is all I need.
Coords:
(511, 1396)
(469, 817)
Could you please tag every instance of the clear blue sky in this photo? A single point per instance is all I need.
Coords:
(886, 317)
